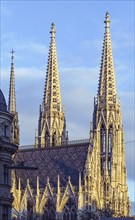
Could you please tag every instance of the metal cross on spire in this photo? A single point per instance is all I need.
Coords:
(12, 57)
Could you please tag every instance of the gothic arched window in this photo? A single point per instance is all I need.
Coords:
(103, 139)
(49, 211)
(110, 136)
(110, 143)
(70, 210)
(103, 147)
(54, 139)
(47, 139)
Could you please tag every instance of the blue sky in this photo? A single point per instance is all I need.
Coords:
(25, 27)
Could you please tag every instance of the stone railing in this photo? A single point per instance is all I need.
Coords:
(63, 144)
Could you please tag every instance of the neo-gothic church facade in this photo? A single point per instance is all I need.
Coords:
(72, 176)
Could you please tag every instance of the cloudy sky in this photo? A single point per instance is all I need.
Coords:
(25, 27)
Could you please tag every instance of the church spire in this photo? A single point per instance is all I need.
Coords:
(12, 97)
(107, 85)
(12, 103)
(108, 138)
(52, 95)
(51, 128)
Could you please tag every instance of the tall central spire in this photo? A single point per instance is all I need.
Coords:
(107, 85)
(51, 128)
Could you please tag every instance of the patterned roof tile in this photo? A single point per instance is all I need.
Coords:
(51, 162)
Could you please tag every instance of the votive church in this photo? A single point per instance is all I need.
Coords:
(72, 176)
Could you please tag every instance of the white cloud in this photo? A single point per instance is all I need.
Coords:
(33, 47)
(23, 73)
(24, 49)
(83, 75)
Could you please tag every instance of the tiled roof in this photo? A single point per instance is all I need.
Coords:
(65, 161)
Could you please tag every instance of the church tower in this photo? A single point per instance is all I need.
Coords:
(12, 104)
(108, 134)
(52, 124)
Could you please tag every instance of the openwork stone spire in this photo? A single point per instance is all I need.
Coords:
(52, 96)
(12, 103)
(52, 125)
(107, 85)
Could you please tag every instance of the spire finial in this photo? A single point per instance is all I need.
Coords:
(107, 20)
(52, 32)
(12, 56)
